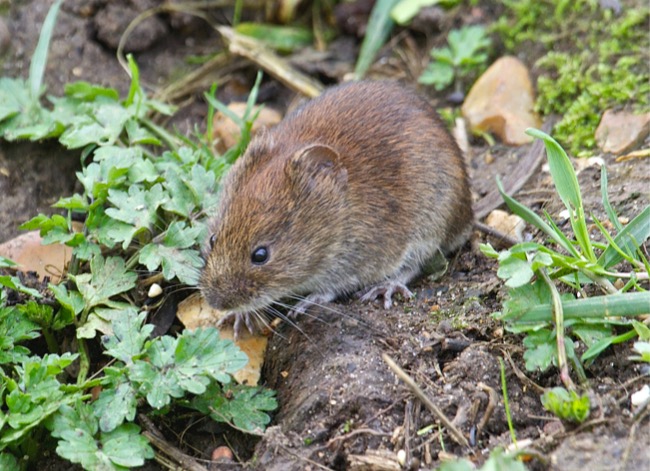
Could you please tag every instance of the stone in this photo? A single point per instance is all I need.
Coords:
(621, 131)
(501, 101)
(226, 132)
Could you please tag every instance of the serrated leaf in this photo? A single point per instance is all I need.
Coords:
(181, 201)
(107, 278)
(438, 74)
(125, 446)
(181, 263)
(77, 429)
(540, 352)
(138, 206)
(514, 270)
(15, 328)
(129, 337)
(13, 282)
(115, 405)
(203, 350)
(246, 406)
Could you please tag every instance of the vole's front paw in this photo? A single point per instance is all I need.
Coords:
(312, 300)
(385, 289)
(241, 322)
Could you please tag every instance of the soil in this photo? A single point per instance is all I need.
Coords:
(338, 401)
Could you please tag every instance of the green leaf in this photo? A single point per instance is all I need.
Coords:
(378, 28)
(197, 351)
(566, 405)
(35, 395)
(515, 269)
(438, 74)
(541, 351)
(8, 462)
(104, 126)
(13, 282)
(530, 217)
(611, 214)
(566, 184)
(39, 59)
(125, 446)
(85, 91)
(244, 406)
(465, 44)
(138, 206)
(115, 404)
(15, 327)
(107, 278)
(129, 337)
(77, 430)
(629, 239)
(172, 254)
(280, 38)
(405, 10)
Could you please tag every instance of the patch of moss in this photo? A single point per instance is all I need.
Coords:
(592, 60)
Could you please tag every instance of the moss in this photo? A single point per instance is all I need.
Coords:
(592, 60)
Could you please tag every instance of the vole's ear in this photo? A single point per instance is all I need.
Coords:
(317, 167)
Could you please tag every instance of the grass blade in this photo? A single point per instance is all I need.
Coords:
(566, 183)
(380, 24)
(611, 214)
(628, 240)
(39, 59)
(530, 217)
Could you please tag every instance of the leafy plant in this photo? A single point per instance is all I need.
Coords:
(498, 461)
(144, 199)
(533, 270)
(567, 405)
(464, 56)
(406, 10)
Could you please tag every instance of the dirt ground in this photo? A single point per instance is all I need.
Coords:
(338, 400)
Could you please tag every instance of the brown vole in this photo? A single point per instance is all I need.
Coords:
(355, 190)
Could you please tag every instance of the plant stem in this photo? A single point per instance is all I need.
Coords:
(558, 315)
(84, 361)
(506, 402)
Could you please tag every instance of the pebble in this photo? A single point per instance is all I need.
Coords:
(619, 132)
(501, 101)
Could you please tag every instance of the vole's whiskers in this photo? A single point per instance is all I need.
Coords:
(325, 308)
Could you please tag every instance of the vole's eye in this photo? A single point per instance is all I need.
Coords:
(260, 256)
(213, 240)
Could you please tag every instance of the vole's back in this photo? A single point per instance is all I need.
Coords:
(407, 177)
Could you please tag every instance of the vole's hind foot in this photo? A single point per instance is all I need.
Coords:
(312, 300)
(386, 290)
(241, 323)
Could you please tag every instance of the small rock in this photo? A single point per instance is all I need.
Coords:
(641, 396)
(226, 132)
(509, 224)
(222, 453)
(619, 132)
(501, 101)
(112, 21)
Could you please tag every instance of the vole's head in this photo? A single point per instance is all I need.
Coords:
(277, 227)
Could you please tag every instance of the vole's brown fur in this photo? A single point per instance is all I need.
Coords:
(354, 190)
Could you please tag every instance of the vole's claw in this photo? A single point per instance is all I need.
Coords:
(386, 290)
(240, 322)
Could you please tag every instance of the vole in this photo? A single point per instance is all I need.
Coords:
(354, 191)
